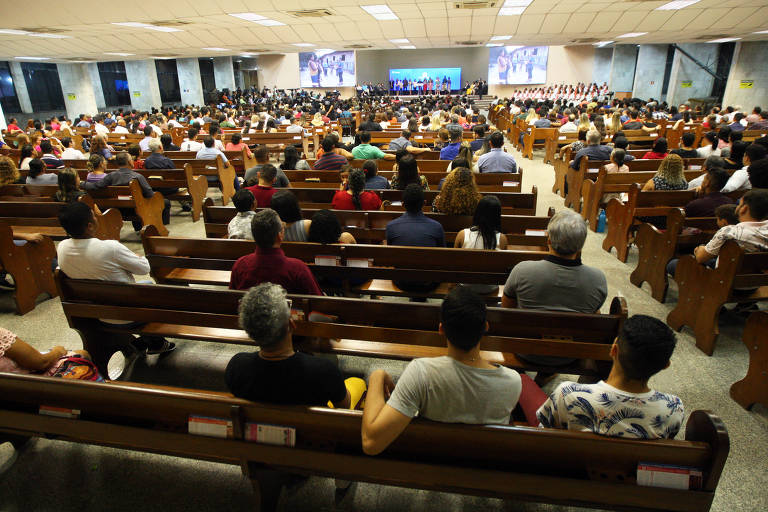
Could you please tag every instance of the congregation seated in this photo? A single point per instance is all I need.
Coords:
(325, 228)
(190, 143)
(330, 160)
(37, 174)
(268, 263)
(261, 154)
(287, 207)
(156, 158)
(594, 150)
(366, 151)
(69, 152)
(686, 149)
(414, 228)
(623, 405)
(97, 168)
(450, 150)
(669, 176)
(236, 144)
(167, 141)
(407, 172)
(710, 195)
(49, 158)
(659, 150)
(353, 196)
(373, 181)
(291, 160)
(404, 143)
(264, 189)
(459, 194)
(496, 160)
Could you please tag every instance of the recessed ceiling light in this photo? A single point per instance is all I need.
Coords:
(13, 31)
(600, 44)
(761, 32)
(148, 26)
(724, 40)
(511, 11)
(215, 49)
(380, 12)
(408, 47)
(270, 23)
(325, 50)
(33, 58)
(676, 4)
(491, 45)
(303, 44)
(501, 38)
(119, 54)
(164, 29)
(631, 34)
(249, 16)
(49, 36)
(399, 41)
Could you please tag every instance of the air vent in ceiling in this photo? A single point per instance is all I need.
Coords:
(255, 50)
(44, 30)
(358, 46)
(79, 59)
(476, 4)
(311, 13)
(468, 43)
(171, 23)
(585, 40)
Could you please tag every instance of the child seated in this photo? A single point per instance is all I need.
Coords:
(623, 405)
(240, 226)
(726, 215)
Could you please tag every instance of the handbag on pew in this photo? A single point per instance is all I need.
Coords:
(80, 368)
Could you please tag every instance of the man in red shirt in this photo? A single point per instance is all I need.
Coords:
(264, 189)
(268, 263)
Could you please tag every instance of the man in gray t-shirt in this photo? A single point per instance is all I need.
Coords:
(560, 282)
(460, 387)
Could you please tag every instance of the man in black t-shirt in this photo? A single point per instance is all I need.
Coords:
(277, 373)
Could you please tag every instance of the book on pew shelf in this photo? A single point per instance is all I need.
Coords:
(211, 427)
(535, 232)
(125, 197)
(508, 183)
(313, 180)
(396, 203)
(328, 261)
(360, 262)
(297, 315)
(270, 434)
(695, 168)
(59, 412)
(668, 476)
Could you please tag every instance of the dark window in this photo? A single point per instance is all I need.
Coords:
(114, 83)
(207, 79)
(8, 98)
(43, 86)
(168, 80)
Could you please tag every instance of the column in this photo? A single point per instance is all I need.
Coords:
(686, 79)
(622, 72)
(601, 68)
(223, 73)
(189, 81)
(748, 79)
(21, 87)
(77, 88)
(142, 83)
(98, 91)
(649, 73)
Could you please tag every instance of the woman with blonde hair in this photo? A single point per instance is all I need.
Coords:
(9, 173)
(99, 147)
(69, 186)
(317, 120)
(670, 175)
(435, 124)
(531, 117)
(459, 195)
(615, 122)
(584, 123)
(465, 153)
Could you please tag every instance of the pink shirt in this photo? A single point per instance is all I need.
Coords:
(7, 338)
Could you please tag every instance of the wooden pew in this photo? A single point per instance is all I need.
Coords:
(215, 168)
(387, 165)
(622, 218)
(275, 141)
(656, 247)
(42, 217)
(703, 291)
(536, 134)
(753, 388)
(369, 226)
(30, 265)
(529, 464)
(209, 261)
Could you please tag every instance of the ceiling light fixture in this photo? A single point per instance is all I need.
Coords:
(761, 32)
(724, 40)
(215, 49)
(380, 12)
(120, 54)
(514, 7)
(148, 26)
(501, 38)
(303, 45)
(249, 16)
(631, 34)
(33, 58)
(408, 47)
(676, 4)
(270, 23)
(14, 32)
(491, 45)
(600, 44)
(399, 41)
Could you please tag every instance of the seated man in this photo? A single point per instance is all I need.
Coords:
(329, 160)
(559, 282)
(623, 405)
(710, 196)
(413, 228)
(594, 150)
(404, 143)
(460, 387)
(261, 154)
(268, 263)
(156, 159)
(449, 151)
(264, 189)
(365, 151)
(686, 149)
(277, 373)
(496, 160)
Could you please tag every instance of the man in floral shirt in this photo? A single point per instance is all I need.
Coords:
(623, 405)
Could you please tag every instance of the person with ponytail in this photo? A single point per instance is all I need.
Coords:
(711, 147)
(97, 168)
(69, 186)
(353, 196)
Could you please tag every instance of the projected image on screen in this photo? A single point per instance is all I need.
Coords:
(327, 68)
(424, 80)
(518, 65)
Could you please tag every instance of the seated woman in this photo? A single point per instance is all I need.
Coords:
(735, 159)
(658, 151)
(709, 145)
(372, 179)
(670, 175)
(237, 144)
(97, 168)
(407, 172)
(485, 232)
(291, 160)
(27, 155)
(17, 356)
(353, 196)
(9, 173)
(459, 195)
(326, 229)
(99, 146)
(135, 151)
(36, 175)
(69, 186)
(617, 165)
(287, 207)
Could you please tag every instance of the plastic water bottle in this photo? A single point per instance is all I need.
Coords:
(601, 222)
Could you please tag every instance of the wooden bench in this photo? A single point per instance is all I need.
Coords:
(30, 265)
(225, 174)
(657, 247)
(529, 464)
(369, 227)
(209, 261)
(28, 217)
(622, 218)
(537, 134)
(703, 291)
(275, 141)
(423, 165)
(753, 388)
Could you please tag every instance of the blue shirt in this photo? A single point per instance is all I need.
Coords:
(377, 183)
(450, 151)
(207, 153)
(415, 230)
(476, 144)
(596, 152)
(496, 160)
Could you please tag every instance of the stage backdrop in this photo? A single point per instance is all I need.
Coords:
(518, 65)
(420, 74)
(327, 68)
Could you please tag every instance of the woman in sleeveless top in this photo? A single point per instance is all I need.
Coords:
(287, 207)
(485, 233)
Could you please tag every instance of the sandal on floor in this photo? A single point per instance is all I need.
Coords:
(167, 346)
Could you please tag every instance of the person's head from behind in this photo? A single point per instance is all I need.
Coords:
(758, 173)
(236, 138)
(487, 218)
(365, 137)
(726, 215)
(370, 168)
(265, 314)
(148, 131)
(593, 137)
(77, 220)
(496, 139)
(617, 156)
(643, 347)
(714, 180)
(243, 200)
(261, 154)
(286, 205)
(46, 147)
(479, 131)
(66, 142)
(688, 139)
(325, 228)
(753, 206)
(329, 144)
(192, 133)
(69, 182)
(455, 132)
(123, 160)
(463, 318)
(166, 140)
(267, 229)
(9, 173)
(413, 198)
(407, 170)
(660, 146)
(36, 167)
(713, 161)
(566, 233)
(753, 153)
(155, 146)
(267, 175)
(582, 135)
(208, 141)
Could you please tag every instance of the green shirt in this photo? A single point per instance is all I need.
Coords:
(367, 152)
(227, 124)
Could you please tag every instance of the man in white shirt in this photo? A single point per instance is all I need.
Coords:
(148, 136)
(120, 128)
(209, 151)
(190, 144)
(69, 152)
(99, 126)
(83, 256)
(173, 123)
(570, 126)
(295, 126)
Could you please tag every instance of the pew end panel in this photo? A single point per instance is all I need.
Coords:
(197, 188)
(753, 388)
(656, 248)
(30, 265)
(149, 209)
